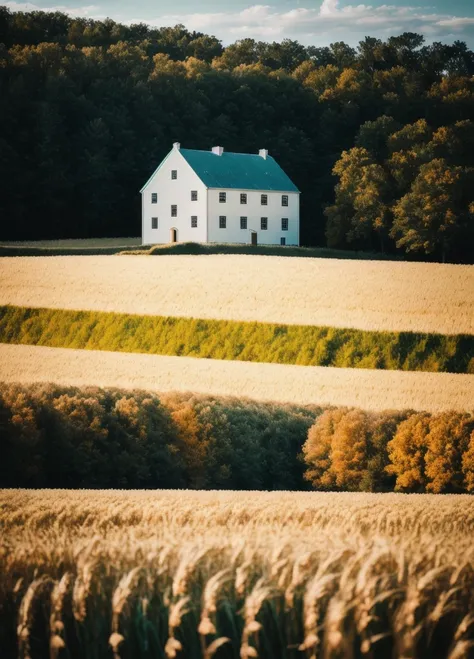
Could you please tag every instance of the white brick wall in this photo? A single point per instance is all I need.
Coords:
(254, 211)
(174, 192)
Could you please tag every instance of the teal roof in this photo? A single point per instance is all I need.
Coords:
(238, 170)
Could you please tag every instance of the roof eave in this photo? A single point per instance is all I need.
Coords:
(228, 187)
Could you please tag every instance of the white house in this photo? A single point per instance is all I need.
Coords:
(217, 197)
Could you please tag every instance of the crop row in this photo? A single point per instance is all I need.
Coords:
(237, 340)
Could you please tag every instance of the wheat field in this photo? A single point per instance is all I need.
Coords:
(228, 575)
(367, 295)
(315, 385)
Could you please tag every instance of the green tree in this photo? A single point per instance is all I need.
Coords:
(437, 210)
(361, 208)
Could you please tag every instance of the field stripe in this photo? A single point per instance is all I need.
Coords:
(366, 295)
(237, 340)
(368, 389)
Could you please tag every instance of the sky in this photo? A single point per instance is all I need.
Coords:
(312, 22)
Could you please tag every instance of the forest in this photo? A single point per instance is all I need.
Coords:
(89, 437)
(378, 138)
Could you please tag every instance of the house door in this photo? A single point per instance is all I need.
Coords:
(174, 236)
(253, 237)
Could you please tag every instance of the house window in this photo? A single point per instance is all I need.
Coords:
(284, 224)
(243, 222)
(222, 221)
(194, 195)
(174, 211)
(154, 197)
(222, 197)
(264, 200)
(264, 223)
(154, 223)
(194, 221)
(174, 174)
(282, 241)
(284, 200)
(243, 197)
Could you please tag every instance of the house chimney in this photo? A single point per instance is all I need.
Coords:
(176, 146)
(263, 153)
(218, 150)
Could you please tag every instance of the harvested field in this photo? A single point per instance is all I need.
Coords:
(226, 574)
(367, 389)
(369, 295)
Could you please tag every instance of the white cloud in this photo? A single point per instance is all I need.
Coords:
(328, 22)
(87, 11)
(456, 22)
(321, 25)
(328, 7)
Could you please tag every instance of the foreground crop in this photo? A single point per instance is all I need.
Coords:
(201, 574)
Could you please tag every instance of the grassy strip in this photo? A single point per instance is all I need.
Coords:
(237, 340)
(6, 250)
(262, 250)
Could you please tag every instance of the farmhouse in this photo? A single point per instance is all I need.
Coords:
(215, 197)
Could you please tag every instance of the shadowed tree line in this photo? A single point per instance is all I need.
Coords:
(52, 436)
(89, 108)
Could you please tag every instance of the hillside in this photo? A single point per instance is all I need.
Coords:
(379, 138)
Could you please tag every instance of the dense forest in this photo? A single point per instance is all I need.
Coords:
(67, 437)
(379, 138)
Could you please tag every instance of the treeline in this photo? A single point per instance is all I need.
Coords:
(53, 436)
(351, 449)
(89, 108)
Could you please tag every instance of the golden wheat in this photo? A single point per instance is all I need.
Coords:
(303, 385)
(368, 295)
(265, 575)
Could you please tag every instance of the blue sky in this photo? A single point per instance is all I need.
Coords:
(317, 22)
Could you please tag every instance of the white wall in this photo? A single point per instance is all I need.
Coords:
(253, 210)
(174, 192)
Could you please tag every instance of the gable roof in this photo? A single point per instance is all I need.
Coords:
(243, 171)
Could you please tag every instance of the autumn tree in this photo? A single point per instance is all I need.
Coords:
(349, 451)
(193, 437)
(468, 465)
(317, 450)
(447, 443)
(383, 426)
(407, 452)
